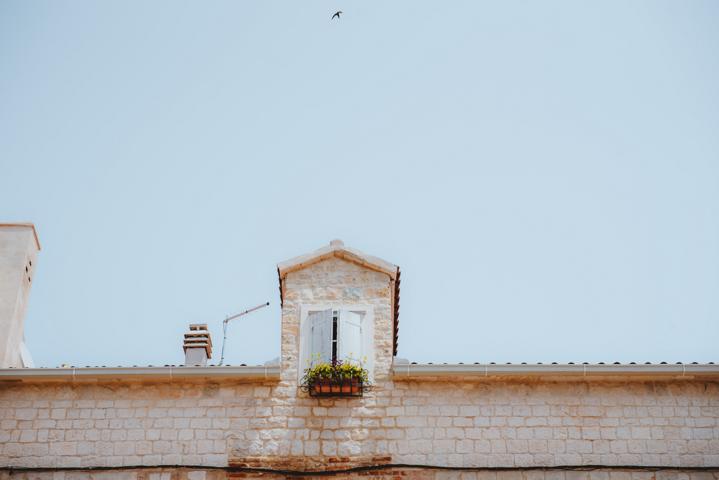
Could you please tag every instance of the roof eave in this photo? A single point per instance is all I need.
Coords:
(31, 375)
(407, 371)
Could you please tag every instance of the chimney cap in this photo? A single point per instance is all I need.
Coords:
(337, 243)
(198, 337)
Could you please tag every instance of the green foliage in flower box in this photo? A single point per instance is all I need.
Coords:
(336, 371)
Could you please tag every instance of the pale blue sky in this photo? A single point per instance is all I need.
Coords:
(546, 174)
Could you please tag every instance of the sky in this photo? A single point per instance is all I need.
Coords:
(546, 174)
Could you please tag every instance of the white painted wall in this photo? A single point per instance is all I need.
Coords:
(18, 252)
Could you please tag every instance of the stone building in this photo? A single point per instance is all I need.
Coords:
(469, 421)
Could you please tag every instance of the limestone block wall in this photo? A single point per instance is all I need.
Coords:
(457, 423)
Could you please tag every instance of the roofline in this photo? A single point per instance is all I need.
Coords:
(405, 370)
(25, 224)
(253, 373)
(400, 371)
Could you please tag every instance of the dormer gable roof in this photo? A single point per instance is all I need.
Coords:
(337, 249)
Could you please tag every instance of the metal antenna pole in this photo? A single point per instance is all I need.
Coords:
(227, 320)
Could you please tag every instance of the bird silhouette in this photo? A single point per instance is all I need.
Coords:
(337, 14)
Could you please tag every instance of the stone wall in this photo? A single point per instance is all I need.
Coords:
(457, 423)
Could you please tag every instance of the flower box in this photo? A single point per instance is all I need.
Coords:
(335, 379)
(329, 387)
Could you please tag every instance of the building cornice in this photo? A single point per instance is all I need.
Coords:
(24, 225)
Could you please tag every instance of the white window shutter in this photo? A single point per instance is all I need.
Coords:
(350, 336)
(320, 336)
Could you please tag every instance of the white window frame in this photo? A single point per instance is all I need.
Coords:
(305, 339)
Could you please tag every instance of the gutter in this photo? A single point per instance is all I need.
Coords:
(405, 370)
(169, 373)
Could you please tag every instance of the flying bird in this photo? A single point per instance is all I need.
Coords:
(337, 14)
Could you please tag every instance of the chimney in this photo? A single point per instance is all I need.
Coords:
(197, 345)
(18, 251)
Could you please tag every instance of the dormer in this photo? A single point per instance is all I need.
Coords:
(338, 303)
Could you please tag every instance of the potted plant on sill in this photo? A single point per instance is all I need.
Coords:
(335, 379)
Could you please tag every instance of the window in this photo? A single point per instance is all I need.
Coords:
(329, 333)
